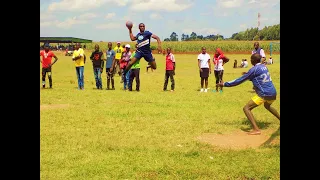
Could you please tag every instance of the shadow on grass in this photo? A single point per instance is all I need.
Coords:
(261, 125)
(268, 142)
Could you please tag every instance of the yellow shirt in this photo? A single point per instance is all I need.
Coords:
(78, 62)
(118, 51)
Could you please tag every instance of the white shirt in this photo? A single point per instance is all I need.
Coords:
(218, 66)
(245, 64)
(204, 60)
(270, 60)
(262, 54)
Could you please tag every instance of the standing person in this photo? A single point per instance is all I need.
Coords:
(258, 50)
(123, 64)
(143, 40)
(135, 72)
(204, 68)
(170, 70)
(110, 64)
(119, 50)
(47, 65)
(219, 59)
(266, 92)
(79, 60)
(97, 62)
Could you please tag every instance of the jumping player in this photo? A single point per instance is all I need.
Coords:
(143, 40)
(46, 64)
(266, 92)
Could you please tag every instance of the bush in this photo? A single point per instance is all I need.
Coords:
(153, 47)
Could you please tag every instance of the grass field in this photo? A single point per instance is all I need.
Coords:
(151, 134)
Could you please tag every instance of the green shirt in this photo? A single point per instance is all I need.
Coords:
(136, 65)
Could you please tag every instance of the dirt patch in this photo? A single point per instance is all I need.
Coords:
(53, 106)
(241, 140)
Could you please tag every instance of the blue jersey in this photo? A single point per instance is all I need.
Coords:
(260, 77)
(110, 55)
(143, 41)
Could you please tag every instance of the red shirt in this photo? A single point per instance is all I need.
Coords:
(46, 58)
(169, 61)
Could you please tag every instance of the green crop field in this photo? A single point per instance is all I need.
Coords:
(100, 134)
(195, 46)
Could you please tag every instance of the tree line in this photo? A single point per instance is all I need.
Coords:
(267, 33)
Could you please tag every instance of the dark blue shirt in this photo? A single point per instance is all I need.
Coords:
(143, 41)
(260, 77)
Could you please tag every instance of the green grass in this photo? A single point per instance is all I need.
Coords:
(151, 134)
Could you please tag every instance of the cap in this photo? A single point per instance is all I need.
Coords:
(118, 42)
(46, 45)
(127, 46)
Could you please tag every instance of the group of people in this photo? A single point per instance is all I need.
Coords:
(258, 74)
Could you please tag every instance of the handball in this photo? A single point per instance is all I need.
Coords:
(129, 24)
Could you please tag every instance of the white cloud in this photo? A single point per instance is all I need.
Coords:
(110, 15)
(83, 5)
(252, 1)
(44, 16)
(201, 31)
(157, 5)
(243, 7)
(88, 16)
(68, 23)
(155, 16)
(47, 19)
(243, 26)
(46, 24)
(229, 3)
(110, 26)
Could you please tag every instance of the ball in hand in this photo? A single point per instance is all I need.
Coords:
(129, 24)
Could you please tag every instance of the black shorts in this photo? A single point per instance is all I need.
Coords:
(45, 70)
(204, 73)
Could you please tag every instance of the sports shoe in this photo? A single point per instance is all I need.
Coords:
(205, 90)
(201, 90)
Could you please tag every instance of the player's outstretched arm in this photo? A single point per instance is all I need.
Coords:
(132, 37)
(158, 41)
(246, 76)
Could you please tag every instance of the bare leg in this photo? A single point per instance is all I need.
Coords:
(206, 82)
(202, 82)
(131, 62)
(153, 65)
(272, 110)
(247, 111)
